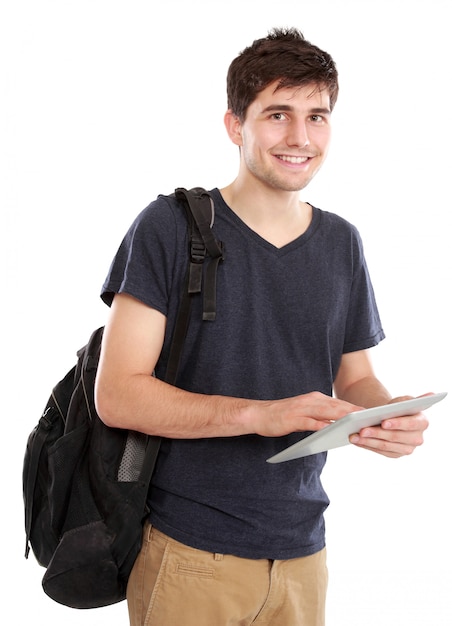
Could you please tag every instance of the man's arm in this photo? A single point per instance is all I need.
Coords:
(128, 396)
(356, 382)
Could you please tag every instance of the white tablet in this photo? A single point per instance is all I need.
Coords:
(338, 433)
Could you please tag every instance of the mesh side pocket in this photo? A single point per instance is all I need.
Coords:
(132, 457)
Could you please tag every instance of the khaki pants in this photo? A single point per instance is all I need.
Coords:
(175, 585)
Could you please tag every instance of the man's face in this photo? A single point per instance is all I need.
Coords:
(285, 136)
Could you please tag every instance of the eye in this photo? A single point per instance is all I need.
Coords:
(320, 119)
(278, 116)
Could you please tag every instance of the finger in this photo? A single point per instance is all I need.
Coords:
(410, 437)
(385, 448)
(416, 422)
(391, 447)
(393, 443)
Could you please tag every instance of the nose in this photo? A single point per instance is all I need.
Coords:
(298, 134)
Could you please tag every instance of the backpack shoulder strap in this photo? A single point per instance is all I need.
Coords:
(200, 210)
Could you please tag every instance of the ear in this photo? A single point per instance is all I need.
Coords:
(233, 127)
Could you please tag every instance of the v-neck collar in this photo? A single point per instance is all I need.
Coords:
(278, 251)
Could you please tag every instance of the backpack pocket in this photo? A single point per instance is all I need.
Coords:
(82, 573)
(70, 500)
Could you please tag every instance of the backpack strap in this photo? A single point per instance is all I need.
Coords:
(201, 215)
(200, 211)
(31, 477)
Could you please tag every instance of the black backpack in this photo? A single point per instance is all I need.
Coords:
(85, 485)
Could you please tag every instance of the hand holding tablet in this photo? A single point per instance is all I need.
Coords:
(338, 433)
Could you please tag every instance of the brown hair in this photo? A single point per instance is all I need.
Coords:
(284, 55)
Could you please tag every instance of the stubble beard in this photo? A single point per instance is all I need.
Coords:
(271, 179)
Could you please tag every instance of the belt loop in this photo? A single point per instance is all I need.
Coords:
(218, 557)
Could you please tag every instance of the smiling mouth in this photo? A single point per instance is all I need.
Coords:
(296, 160)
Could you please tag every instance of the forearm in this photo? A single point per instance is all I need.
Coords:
(149, 405)
(366, 392)
(144, 403)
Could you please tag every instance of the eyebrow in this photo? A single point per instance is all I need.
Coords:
(288, 107)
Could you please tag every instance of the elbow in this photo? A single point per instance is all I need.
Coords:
(105, 404)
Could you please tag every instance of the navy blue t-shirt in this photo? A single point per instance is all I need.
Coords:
(284, 318)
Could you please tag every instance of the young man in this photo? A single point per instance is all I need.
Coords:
(232, 539)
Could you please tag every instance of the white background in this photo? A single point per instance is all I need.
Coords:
(105, 104)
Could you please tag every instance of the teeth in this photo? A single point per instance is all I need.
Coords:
(293, 159)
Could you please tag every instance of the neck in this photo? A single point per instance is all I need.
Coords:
(277, 216)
